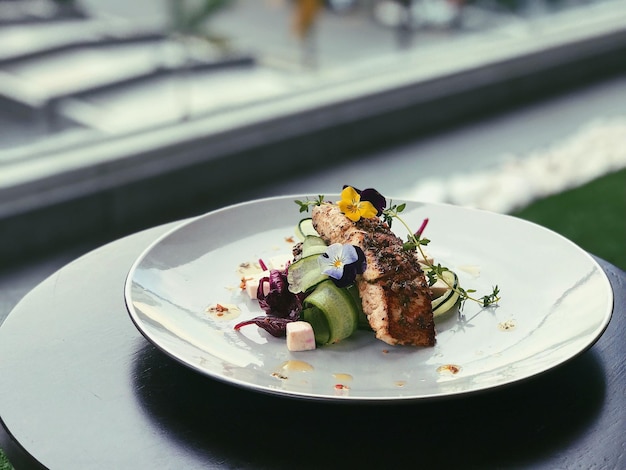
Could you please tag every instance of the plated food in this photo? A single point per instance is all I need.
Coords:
(350, 265)
(393, 290)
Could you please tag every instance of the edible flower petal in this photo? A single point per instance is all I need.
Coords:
(335, 259)
(377, 199)
(342, 263)
(373, 196)
(353, 207)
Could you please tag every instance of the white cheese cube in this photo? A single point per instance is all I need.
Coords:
(252, 284)
(279, 261)
(300, 336)
(438, 288)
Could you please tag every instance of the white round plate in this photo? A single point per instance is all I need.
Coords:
(556, 302)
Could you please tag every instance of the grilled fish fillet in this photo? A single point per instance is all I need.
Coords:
(394, 292)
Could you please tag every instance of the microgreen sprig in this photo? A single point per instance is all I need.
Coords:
(304, 205)
(415, 241)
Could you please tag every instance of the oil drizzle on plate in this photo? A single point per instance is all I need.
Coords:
(222, 311)
(343, 378)
(449, 369)
(296, 366)
(341, 387)
(291, 366)
(507, 325)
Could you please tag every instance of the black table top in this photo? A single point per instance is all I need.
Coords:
(80, 387)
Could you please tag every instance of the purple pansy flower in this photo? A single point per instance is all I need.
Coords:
(342, 263)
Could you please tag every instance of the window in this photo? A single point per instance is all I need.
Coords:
(101, 95)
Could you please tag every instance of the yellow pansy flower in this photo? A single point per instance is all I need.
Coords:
(352, 206)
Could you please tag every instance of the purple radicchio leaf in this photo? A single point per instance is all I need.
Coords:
(278, 301)
(280, 305)
(273, 325)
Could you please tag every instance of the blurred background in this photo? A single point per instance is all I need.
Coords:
(117, 115)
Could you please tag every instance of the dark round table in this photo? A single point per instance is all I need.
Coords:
(80, 388)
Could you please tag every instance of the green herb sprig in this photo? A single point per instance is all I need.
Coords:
(304, 205)
(415, 241)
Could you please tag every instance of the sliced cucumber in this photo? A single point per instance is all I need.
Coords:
(363, 323)
(450, 297)
(304, 274)
(337, 307)
(446, 305)
(318, 322)
(305, 228)
(313, 245)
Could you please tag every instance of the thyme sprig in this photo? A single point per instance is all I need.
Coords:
(415, 241)
(304, 205)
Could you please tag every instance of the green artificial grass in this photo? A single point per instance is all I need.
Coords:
(593, 216)
(4, 462)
